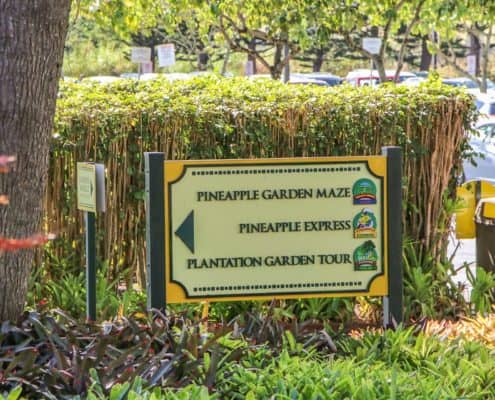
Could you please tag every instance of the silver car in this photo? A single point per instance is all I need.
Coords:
(484, 144)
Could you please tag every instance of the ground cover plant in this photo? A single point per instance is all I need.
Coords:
(51, 355)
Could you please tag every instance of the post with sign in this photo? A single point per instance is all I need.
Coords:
(393, 303)
(90, 199)
(142, 57)
(166, 55)
(372, 45)
(274, 228)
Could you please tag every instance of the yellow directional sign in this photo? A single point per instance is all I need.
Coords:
(86, 186)
(287, 228)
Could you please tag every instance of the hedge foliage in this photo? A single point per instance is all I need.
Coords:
(212, 117)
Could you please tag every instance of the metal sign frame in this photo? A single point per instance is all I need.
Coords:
(158, 248)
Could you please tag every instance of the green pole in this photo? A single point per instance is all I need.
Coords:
(393, 303)
(155, 229)
(89, 219)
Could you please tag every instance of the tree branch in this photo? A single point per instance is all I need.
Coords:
(237, 47)
(402, 51)
(386, 29)
(452, 61)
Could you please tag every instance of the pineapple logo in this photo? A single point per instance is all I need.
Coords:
(365, 257)
(364, 192)
(364, 224)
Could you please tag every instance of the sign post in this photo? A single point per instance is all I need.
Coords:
(90, 199)
(89, 222)
(155, 229)
(142, 57)
(393, 303)
(372, 45)
(166, 55)
(274, 228)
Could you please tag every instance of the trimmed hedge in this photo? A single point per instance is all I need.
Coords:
(212, 117)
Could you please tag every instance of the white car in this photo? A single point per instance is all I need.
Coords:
(470, 85)
(368, 77)
(103, 79)
(485, 103)
(484, 143)
(414, 81)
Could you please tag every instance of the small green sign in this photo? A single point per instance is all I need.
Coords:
(86, 187)
(364, 192)
(366, 257)
(364, 224)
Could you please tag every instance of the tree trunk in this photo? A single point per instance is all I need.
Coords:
(203, 58)
(225, 63)
(252, 57)
(153, 56)
(474, 50)
(277, 67)
(380, 67)
(286, 75)
(32, 35)
(485, 56)
(425, 62)
(318, 61)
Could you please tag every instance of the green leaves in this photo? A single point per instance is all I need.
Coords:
(165, 357)
(483, 289)
(376, 365)
(14, 394)
(212, 117)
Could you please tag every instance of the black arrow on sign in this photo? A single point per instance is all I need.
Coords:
(185, 232)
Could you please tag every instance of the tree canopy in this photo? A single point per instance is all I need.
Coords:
(272, 33)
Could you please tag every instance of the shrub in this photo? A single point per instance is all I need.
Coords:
(51, 355)
(210, 117)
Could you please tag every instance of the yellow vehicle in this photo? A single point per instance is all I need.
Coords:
(470, 193)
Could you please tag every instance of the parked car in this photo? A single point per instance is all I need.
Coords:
(470, 85)
(484, 143)
(331, 80)
(302, 80)
(412, 81)
(421, 74)
(102, 79)
(485, 103)
(130, 75)
(370, 77)
(467, 83)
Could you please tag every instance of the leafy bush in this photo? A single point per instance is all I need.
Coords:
(210, 117)
(377, 365)
(54, 356)
(483, 289)
(63, 286)
(429, 288)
